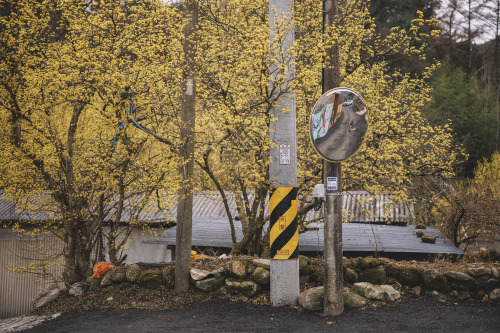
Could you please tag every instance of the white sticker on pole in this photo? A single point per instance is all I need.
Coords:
(284, 154)
(189, 87)
(331, 183)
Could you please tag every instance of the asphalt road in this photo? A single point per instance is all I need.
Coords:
(410, 314)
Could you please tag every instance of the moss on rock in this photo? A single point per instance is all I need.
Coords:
(372, 275)
(150, 279)
(360, 264)
(169, 276)
(409, 275)
(392, 269)
(307, 270)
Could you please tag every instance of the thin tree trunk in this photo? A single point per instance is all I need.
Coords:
(206, 168)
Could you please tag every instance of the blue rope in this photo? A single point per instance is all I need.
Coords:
(131, 111)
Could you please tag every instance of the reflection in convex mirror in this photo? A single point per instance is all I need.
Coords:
(338, 125)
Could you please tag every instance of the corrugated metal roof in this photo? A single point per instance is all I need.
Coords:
(356, 237)
(358, 207)
(9, 211)
(41, 209)
(380, 238)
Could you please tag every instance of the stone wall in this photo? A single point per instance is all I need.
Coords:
(476, 281)
(364, 279)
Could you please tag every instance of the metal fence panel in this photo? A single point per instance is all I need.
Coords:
(16, 289)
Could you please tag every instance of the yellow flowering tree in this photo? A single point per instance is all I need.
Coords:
(486, 183)
(467, 211)
(234, 116)
(69, 72)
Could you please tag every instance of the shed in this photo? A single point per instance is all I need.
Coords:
(357, 238)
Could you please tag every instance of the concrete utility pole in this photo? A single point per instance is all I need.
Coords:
(285, 287)
(332, 177)
(185, 194)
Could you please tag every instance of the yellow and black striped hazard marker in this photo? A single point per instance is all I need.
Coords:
(284, 235)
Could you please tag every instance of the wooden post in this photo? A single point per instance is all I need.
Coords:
(185, 194)
(332, 173)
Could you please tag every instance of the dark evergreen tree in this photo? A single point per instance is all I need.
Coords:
(471, 107)
(400, 13)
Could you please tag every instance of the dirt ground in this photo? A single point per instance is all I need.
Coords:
(409, 314)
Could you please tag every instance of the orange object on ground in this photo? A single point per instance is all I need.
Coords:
(194, 255)
(101, 268)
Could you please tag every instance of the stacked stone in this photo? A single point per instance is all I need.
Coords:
(374, 278)
(365, 279)
(476, 282)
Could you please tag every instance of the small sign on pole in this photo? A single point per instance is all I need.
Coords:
(284, 154)
(331, 183)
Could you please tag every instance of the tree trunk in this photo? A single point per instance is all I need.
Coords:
(76, 254)
(112, 251)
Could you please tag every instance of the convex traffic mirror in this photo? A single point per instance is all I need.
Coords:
(338, 124)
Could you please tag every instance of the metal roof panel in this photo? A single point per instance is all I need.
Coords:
(356, 237)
